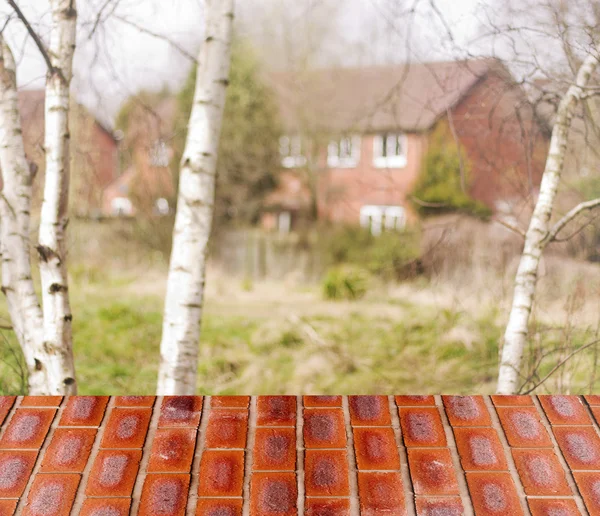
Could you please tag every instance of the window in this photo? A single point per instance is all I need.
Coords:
(389, 150)
(378, 218)
(159, 155)
(161, 206)
(121, 207)
(290, 150)
(344, 153)
(284, 222)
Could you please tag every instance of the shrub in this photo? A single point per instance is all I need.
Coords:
(345, 282)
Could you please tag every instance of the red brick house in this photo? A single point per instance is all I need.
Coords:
(356, 137)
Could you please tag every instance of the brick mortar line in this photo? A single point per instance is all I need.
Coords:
(300, 454)
(559, 454)
(249, 457)
(192, 500)
(136, 494)
(41, 452)
(409, 492)
(85, 474)
(352, 467)
(461, 478)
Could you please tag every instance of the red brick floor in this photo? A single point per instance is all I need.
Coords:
(300, 455)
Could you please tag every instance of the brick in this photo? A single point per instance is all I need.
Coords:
(505, 400)
(369, 411)
(580, 446)
(172, 450)
(223, 507)
(596, 412)
(106, 507)
(84, 411)
(276, 411)
(221, 473)
(274, 449)
(324, 428)
(126, 428)
(523, 428)
(227, 428)
(466, 411)
(480, 449)
(15, 469)
(552, 507)
(541, 472)
(164, 495)
(273, 494)
(27, 428)
(327, 507)
(113, 473)
(180, 411)
(432, 471)
(422, 427)
(6, 403)
(414, 401)
(326, 473)
(565, 410)
(593, 400)
(448, 506)
(8, 507)
(230, 401)
(322, 401)
(381, 493)
(589, 487)
(52, 495)
(493, 493)
(134, 401)
(69, 450)
(41, 401)
(376, 448)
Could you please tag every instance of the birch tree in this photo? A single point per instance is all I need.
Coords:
(195, 207)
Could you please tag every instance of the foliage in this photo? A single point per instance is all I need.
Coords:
(345, 282)
(438, 188)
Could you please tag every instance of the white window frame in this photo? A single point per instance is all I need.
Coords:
(121, 207)
(377, 218)
(159, 155)
(284, 221)
(347, 159)
(161, 206)
(291, 157)
(395, 160)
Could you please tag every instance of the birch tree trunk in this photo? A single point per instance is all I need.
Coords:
(536, 238)
(57, 362)
(195, 204)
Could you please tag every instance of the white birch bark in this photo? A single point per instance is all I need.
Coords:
(537, 235)
(193, 220)
(57, 362)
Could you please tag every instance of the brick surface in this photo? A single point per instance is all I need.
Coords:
(480, 449)
(541, 472)
(69, 450)
(41, 401)
(227, 428)
(580, 446)
(27, 428)
(414, 401)
(180, 411)
(52, 495)
(593, 400)
(324, 428)
(126, 428)
(381, 493)
(432, 471)
(134, 401)
(376, 448)
(369, 411)
(106, 506)
(15, 469)
(503, 400)
(84, 411)
(164, 495)
(589, 487)
(422, 427)
(466, 411)
(172, 450)
(7, 507)
(274, 449)
(230, 401)
(493, 493)
(219, 507)
(565, 410)
(221, 473)
(326, 473)
(522, 427)
(114, 473)
(276, 411)
(552, 507)
(273, 494)
(322, 401)
(327, 507)
(450, 506)
(6, 403)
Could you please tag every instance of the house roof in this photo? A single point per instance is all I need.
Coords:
(410, 97)
(292, 455)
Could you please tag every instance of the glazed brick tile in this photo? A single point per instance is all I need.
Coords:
(221, 473)
(69, 450)
(553, 507)
(15, 469)
(172, 450)
(381, 493)
(113, 473)
(84, 411)
(593, 400)
(227, 428)
(523, 428)
(448, 506)
(126, 428)
(580, 446)
(422, 427)
(596, 413)
(52, 495)
(164, 495)
(327, 507)
(8, 507)
(230, 401)
(480, 449)
(219, 507)
(324, 428)
(6, 403)
(541, 472)
(134, 401)
(589, 487)
(180, 411)
(27, 428)
(565, 410)
(493, 493)
(322, 401)
(273, 494)
(466, 411)
(376, 448)
(276, 411)
(41, 401)
(507, 400)
(274, 449)
(106, 507)
(432, 471)
(414, 401)
(369, 411)
(326, 473)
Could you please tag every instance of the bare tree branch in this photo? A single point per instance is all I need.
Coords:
(580, 208)
(510, 226)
